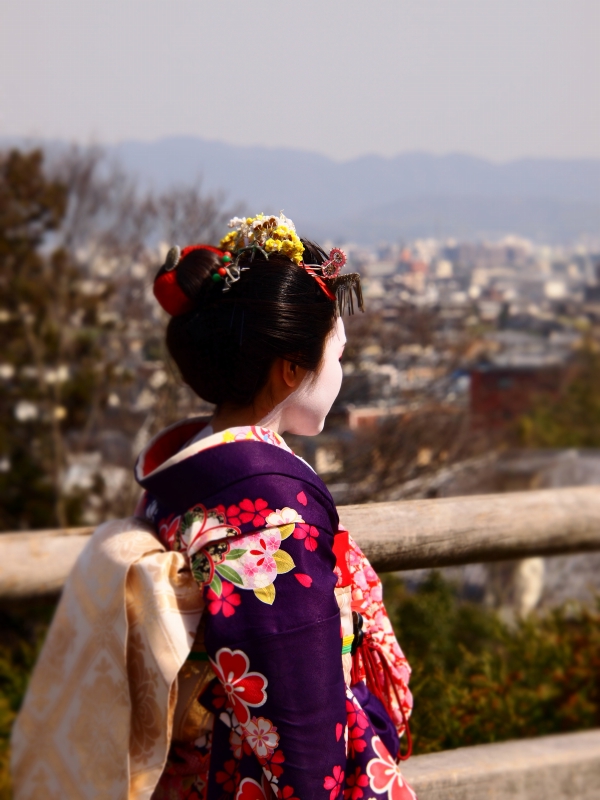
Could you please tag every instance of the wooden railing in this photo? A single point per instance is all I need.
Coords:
(407, 535)
(395, 536)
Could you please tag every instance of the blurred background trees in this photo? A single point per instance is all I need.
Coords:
(82, 370)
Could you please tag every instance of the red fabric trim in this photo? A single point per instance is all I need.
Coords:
(341, 547)
(168, 444)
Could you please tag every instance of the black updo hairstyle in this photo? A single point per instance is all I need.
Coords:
(226, 345)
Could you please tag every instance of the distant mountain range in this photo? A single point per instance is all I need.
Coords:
(372, 198)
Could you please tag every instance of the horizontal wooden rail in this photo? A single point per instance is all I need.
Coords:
(395, 536)
(412, 534)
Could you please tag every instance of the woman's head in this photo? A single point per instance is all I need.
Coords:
(229, 337)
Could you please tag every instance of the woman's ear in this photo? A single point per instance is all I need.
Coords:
(291, 374)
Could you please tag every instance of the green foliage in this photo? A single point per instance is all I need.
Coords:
(573, 419)
(475, 680)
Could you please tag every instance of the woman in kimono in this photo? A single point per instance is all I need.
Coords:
(296, 687)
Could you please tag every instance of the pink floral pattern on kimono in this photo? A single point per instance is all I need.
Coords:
(367, 599)
(385, 776)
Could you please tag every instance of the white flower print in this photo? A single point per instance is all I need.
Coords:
(262, 736)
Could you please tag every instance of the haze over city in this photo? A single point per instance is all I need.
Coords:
(498, 80)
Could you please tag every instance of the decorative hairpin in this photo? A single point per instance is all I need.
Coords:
(229, 272)
(334, 264)
(337, 287)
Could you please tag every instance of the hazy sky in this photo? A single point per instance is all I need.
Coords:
(496, 78)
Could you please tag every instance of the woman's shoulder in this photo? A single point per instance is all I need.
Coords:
(241, 464)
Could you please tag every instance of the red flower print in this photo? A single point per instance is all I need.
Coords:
(273, 764)
(235, 743)
(168, 528)
(226, 776)
(243, 688)
(305, 580)
(226, 602)
(339, 729)
(219, 696)
(384, 774)
(309, 533)
(251, 790)
(301, 498)
(286, 793)
(248, 511)
(333, 783)
(354, 785)
(355, 741)
(351, 713)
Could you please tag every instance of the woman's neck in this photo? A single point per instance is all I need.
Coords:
(225, 418)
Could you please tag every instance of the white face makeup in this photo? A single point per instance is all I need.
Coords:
(304, 411)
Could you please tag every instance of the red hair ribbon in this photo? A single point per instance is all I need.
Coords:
(167, 290)
(320, 281)
(330, 268)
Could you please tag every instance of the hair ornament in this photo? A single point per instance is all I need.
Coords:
(228, 272)
(264, 234)
(344, 286)
(334, 264)
(166, 288)
(249, 236)
(339, 288)
(172, 259)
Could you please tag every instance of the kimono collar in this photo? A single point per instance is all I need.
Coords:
(168, 447)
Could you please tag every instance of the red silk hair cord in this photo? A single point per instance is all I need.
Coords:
(167, 290)
(367, 653)
(320, 281)
(190, 248)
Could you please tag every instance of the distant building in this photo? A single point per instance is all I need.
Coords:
(371, 416)
(500, 394)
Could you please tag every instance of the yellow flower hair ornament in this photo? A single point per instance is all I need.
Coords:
(277, 234)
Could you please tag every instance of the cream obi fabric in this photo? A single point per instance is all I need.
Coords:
(97, 719)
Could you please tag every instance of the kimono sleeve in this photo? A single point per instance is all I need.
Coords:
(273, 636)
(367, 599)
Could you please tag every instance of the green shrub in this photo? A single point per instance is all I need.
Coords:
(477, 680)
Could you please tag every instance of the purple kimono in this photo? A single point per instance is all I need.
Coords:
(292, 715)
